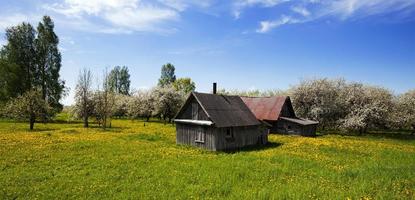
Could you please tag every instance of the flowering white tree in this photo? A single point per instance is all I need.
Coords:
(167, 101)
(141, 104)
(366, 107)
(121, 102)
(319, 100)
(404, 115)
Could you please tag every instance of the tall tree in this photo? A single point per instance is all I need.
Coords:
(9, 79)
(83, 95)
(186, 85)
(167, 75)
(48, 62)
(20, 51)
(119, 80)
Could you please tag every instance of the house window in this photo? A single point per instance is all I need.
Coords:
(200, 135)
(229, 135)
(195, 111)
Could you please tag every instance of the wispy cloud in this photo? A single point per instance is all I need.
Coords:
(266, 26)
(311, 10)
(239, 5)
(182, 5)
(301, 10)
(123, 16)
(362, 8)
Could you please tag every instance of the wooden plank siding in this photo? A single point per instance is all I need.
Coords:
(243, 136)
(215, 138)
(186, 134)
(291, 128)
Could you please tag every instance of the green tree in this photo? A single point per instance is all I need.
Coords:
(8, 79)
(167, 75)
(119, 80)
(48, 64)
(21, 57)
(27, 106)
(186, 85)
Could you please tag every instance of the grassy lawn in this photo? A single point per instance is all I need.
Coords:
(133, 161)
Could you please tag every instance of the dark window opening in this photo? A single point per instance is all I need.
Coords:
(229, 135)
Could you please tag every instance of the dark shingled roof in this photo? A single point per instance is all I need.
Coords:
(226, 111)
(266, 108)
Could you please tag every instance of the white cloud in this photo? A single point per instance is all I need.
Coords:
(239, 5)
(123, 16)
(182, 5)
(301, 10)
(266, 26)
(140, 19)
(361, 8)
(341, 9)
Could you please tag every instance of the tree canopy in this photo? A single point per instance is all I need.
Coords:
(119, 80)
(186, 85)
(167, 75)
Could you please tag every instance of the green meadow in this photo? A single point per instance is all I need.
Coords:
(137, 160)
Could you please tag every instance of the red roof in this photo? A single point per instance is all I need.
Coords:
(265, 108)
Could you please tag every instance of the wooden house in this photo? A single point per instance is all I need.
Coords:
(279, 112)
(218, 122)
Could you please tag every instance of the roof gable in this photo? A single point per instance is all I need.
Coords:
(270, 108)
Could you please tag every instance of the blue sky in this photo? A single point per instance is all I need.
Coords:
(241, 44)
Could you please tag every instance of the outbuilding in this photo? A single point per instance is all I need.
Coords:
(218, 123)
(279, 112)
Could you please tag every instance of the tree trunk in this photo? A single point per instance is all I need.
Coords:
(44, 92)
(85, 121)
(32, 121)
(413, 129)
(147, 119)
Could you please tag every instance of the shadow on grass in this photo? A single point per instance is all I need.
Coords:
(392, 135)
(388, 134)
(298, 135)
(112, 129)
(35, 130)
(269, 145)
(60, 121)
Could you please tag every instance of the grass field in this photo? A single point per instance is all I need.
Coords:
(133, 161)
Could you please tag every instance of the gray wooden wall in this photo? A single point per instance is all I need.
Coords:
(187, 133)
(281, 126)
(215, 138)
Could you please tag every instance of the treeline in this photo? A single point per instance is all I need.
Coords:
(348, 106)
(115, 100)
(30, 62)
